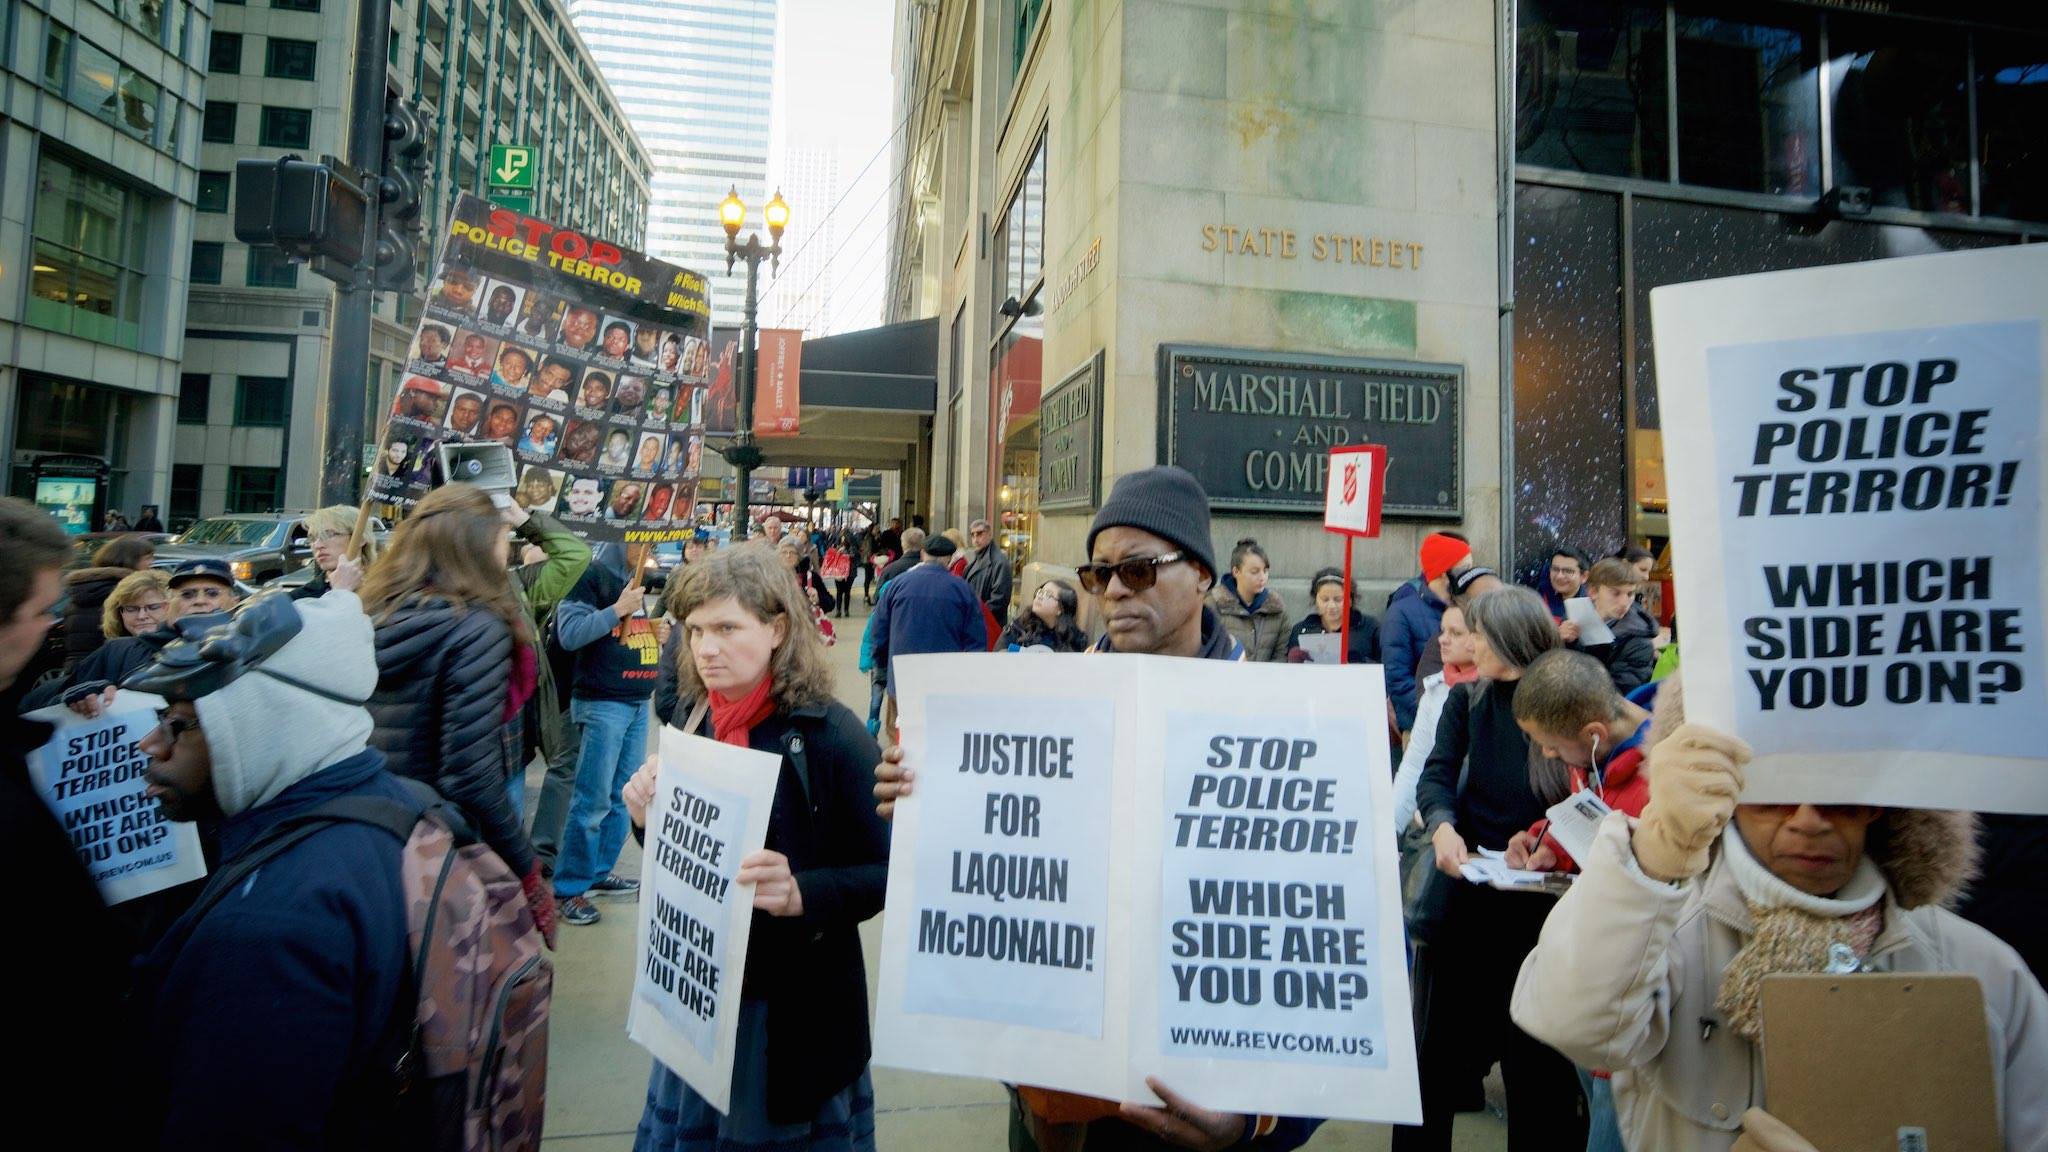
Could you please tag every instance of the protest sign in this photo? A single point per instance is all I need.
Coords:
(1856, 520)
(90, 774)
(584, 358)
(710, 809)
(1149, 867)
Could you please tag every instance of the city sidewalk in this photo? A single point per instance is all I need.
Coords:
(597, 1079)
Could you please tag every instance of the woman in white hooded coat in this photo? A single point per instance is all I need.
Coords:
(1652, 965)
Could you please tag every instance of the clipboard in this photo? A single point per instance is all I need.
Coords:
(1863, 1062)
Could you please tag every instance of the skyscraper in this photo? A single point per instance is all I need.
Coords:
(696, 78)
(801, 293)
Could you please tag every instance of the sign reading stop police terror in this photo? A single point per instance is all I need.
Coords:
(1149, 867)
(1856, 522)
(91, 775)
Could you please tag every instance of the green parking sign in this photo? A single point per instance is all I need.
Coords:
(521, 202)
(512, 166)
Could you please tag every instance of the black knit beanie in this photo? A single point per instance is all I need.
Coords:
(1166, 501)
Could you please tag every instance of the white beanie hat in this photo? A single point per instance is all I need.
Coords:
(267, 734)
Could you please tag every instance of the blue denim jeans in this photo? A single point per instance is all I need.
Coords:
(614, 740)
(1603, 1124)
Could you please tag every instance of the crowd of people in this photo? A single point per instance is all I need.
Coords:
(268, 1001)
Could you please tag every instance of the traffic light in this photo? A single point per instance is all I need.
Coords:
(305, 209)
(398, 188)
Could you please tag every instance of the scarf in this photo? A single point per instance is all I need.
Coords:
(1793, 931)
(1456, 674)
(732, 721)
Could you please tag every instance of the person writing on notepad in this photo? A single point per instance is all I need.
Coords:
(1653, 964)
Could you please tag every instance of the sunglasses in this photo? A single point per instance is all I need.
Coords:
(174, 726)
(1137, 575)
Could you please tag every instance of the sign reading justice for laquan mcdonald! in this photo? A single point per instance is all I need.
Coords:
(1856, 524)
(1149, 867)
(587, 359)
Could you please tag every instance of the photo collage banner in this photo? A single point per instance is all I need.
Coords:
(589, 361)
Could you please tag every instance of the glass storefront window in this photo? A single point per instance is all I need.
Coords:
(1749, 104)
(1901, 113)
(1590, 88)
(1019, 240)
(1016, 378)
(91, 236)
(2012, 104)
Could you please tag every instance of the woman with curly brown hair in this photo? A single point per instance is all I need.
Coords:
(755, 670)
(456, 661)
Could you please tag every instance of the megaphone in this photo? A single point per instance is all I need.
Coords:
(488, 466)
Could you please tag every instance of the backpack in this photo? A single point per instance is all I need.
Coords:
(470, 1066)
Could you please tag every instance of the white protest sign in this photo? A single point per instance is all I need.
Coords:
(1149, 867)
(1856, 521)
(90, 774)
(710, 809)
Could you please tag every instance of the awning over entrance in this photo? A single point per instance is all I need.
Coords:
(864, 396)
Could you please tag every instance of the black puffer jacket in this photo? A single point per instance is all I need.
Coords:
(1632, 655)
(86, 592)
(443, 675)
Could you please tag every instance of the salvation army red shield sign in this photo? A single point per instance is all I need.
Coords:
(1354, 488)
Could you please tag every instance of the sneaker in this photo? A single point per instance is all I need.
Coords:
(615, 885)
(577, 910)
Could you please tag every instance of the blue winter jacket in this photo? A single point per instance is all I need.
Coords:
(265, 1021)
(927, 609)
(1413, 616)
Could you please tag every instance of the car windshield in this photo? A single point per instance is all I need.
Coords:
(243, 533)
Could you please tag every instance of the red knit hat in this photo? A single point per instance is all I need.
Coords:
(1441, 553)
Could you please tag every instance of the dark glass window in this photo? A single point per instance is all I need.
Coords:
(301, 6)
(218, 125)
(290, 59)
(261, 401)
(185, 484)
(2012, 105)
(255, 489)
(1901, 113)
(285, 128)
(1749, 104)
(194, 390)
(270, 268)
(1590, 88)
(225, 53)
(206, 258)
(213, 190)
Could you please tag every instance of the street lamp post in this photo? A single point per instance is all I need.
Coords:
(742, 454)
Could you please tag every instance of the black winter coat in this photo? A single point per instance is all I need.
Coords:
(86, 592)
(1365, 637)
(443, 677)
(808, 968)
(1632, 656)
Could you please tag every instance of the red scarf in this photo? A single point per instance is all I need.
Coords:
(1456, 674)
(732, 721)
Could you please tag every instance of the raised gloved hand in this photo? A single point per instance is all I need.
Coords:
(1763, 1132)
(540, 900)
(1695, 778)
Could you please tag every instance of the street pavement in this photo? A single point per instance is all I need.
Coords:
(597, 1079)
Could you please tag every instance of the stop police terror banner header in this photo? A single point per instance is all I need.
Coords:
(588, 360)
(1147, 866)
(1856, 524)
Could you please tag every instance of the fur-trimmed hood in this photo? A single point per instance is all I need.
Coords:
(1928, 856)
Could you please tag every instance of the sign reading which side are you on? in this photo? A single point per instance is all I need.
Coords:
(1150, 867)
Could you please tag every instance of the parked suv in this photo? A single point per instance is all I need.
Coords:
(258, 547)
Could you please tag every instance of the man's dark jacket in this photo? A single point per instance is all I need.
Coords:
(270, 1015)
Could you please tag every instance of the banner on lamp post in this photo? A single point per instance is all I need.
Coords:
(780, 354)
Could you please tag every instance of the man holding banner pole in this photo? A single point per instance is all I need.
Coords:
(1152, 565)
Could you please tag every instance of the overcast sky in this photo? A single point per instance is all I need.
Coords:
(835, 92)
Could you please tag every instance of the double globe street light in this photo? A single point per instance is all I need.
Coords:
(742, 454)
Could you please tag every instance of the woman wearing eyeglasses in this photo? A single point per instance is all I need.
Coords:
(328, 530)
(87, 589)
(139, 605)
